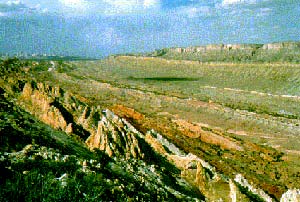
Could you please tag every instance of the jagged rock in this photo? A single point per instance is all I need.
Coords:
(292, 195)
(105, 130)
(36, 99)
(69, 128)
(116, 137)
(211, 137)
(235, 193)
(214, 186)
(241, 181)
(63, 179)
(196, 171)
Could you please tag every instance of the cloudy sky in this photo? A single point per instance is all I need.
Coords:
(97, 28)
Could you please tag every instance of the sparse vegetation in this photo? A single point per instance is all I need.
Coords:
(247, 53)
(239, 115)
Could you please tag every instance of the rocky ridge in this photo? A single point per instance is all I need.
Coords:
(271, 52)
(119, 139)
(62, 163)
(228, 47)
(98, 128)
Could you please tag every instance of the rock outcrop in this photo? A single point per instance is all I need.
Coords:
(143, 182)
(213, 185)
(282, 45)
(37, 99)
(292, 195)
(99, 128)
(116, 137)
(228, 47)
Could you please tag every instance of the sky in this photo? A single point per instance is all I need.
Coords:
(98, 28)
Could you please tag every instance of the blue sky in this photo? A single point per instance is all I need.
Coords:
(97, 28)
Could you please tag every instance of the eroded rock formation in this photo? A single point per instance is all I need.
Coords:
(100, 129)
(116, 137)
(103, 130)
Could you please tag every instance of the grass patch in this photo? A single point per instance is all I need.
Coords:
(164, 79)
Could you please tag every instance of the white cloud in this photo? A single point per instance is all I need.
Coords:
(232, 2)
(226, 2)
(13, 3)
(82, 7)
(198, 11)
(129, 6)
(195, 11)
(9, 7)
(110, 36)
(265, 10)
(69, 8)
(122, 4)
(74, 3)
(150, 3)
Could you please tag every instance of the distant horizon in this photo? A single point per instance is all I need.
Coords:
(99, 28)
(23, 54)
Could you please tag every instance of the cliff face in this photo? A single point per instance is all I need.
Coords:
(272, 52)
(283, 45)
(228, 47)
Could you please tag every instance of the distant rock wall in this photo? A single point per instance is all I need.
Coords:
(283, 45)
(228, 47)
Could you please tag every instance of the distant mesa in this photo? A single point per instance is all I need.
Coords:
(271, 52)
(228, 47)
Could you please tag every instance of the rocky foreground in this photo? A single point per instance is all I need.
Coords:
(55, 146)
